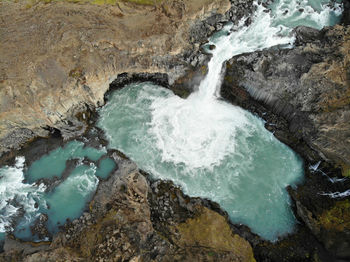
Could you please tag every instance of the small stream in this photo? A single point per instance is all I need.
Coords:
(207, 146)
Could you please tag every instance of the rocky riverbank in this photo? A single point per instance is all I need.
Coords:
(132, 218)
(300, 92)
(303, 94)
(58, 58)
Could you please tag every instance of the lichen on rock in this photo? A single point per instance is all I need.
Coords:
(211, 230)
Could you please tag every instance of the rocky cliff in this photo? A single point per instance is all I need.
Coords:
(58, 58)
(303, 94)
(132, 218)
(309, 86)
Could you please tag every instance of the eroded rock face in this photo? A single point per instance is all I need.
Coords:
(309, 86)
(58, 59)
(133, 219)
(302, 93)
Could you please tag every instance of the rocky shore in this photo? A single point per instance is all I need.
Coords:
(302, 93)
(134, 219)
(58, 58)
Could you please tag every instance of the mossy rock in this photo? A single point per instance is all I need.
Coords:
(337, 218)
(345, 170)
(211, 230)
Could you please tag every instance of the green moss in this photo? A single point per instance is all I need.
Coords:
(203, 231)
(76, 73)
(337, 218)
(345, 170)
(228, 79)
(94, 235)
(204, 70)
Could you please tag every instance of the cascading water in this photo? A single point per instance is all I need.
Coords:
(213, 149)
(23, 197)
(210, 148)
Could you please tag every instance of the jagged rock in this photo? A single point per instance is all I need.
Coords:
(128, 220)
(58, 58)
(309, 86)
(40, 227)
(303, 93)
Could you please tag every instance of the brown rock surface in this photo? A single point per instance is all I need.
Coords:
(309, 86)
(125, 223)
(302, 93)
(58, 58)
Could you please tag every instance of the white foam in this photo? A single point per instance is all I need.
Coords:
(307, 12)
(210, 148)
(338, 194)
(194, 133)
(14, 194)
(199, 131)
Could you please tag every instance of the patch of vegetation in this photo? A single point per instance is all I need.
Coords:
(76, 73)
(203, 229)
(94, 234)
(345, 170)
(338, 217)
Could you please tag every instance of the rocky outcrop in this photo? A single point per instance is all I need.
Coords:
(132, 218)
(302, 93)
(58, 58)
(309, 86)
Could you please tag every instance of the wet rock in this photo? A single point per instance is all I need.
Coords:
(306, 34)
(40, 227)
(16, 250)
(308, 86)
(327, 217)
(65, 71)
(240, 9)
(132, 217)
(301, 93)
(346, 13)
(125, 79)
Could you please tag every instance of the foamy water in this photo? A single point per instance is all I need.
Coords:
(213, 149)
(210, 148)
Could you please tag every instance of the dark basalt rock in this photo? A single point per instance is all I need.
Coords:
(240, 9)
(289, 89)
(126, 78)
(345, 20)
(292, 84)
(39, 228)
(306, 34)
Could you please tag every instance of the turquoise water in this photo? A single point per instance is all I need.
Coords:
(312, 13)
(249, 182)
(210, 148)
(54, 163)
(106, 166)
(213, 149)
(2, 237)
(66, 200)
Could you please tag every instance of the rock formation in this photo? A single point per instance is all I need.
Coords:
(58, 58)
(132, 218)
(309, 86)
(303, 94)
(57, 61)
